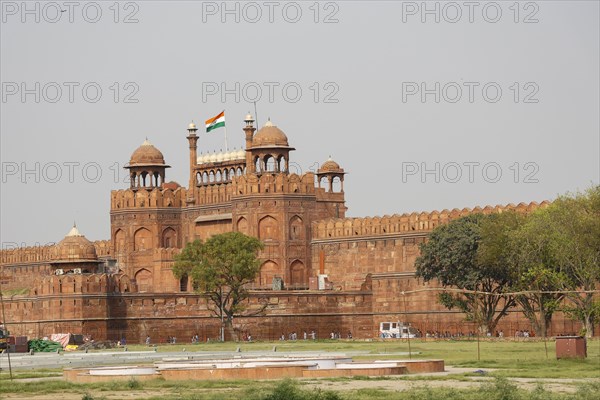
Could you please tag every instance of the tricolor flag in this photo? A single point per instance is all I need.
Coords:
(215, 122)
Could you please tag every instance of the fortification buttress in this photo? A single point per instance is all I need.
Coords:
(145, 218)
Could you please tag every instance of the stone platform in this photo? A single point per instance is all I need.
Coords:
(254, 368)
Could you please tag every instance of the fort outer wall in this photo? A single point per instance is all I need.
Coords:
(108, 311)
(377, 255)
(369, 261)
(134, 315)
(111, 306)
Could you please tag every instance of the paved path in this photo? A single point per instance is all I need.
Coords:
(24, 361)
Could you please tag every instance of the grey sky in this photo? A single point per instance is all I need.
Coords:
(370, 61)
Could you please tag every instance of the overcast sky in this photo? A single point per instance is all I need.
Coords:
(443, 106)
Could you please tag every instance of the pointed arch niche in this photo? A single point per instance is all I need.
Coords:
(298, 274)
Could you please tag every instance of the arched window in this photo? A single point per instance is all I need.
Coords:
(143, 177)
(267, 272)
(268, 229)
(282, 163)
(119, 241)
(336, 184)
(142, 239)
(270, 164)
(183, 283)
(143, 279)
(169, 238)
(257, 164)
(324, 182)
(242, 225)
(297, 274)
(297, 228)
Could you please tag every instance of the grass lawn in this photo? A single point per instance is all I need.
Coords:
(525, 359)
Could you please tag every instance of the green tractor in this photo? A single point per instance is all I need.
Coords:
(3, 338)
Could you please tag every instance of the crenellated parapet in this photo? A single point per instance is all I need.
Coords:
(213, 194)
(103, 248)
(404, 223)
(156, 198)
(31, 254)
(273, 183)
(45, 254)
(82, 283)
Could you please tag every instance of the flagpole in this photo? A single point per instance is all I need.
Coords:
(255, 114)
(226, 144)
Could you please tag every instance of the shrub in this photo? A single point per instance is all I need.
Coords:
(133, 384)
(289, 390)
(588, 391)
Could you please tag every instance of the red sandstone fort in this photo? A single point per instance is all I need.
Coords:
(320, 270)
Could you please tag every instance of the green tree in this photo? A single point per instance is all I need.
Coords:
(221, 268)
(540, 287)
(450, 255)
(570, 230)
(539, 282)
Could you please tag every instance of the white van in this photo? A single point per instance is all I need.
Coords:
(396, 330)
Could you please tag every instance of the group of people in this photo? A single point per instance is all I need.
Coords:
(524, 334)
(171, 339)
(498, 333)
(337, 335)
(447, 334)
(313, 335)
(294, 335)
(247, 337)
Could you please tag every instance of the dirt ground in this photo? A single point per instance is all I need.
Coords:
(555, 385)
(399, 385)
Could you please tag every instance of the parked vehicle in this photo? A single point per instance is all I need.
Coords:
(397, 330)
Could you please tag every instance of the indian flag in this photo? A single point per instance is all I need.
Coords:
(215, 122)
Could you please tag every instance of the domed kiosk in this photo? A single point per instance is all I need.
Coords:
(270, 150)
(332, 172)
(147, 167)
(74, 254)
(270, 136)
